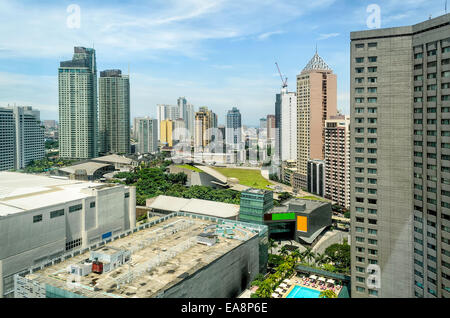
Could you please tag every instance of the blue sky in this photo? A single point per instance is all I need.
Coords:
(218, 54)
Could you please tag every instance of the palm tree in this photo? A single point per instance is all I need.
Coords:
(308, 254)
(284, 251)
(327, 294)
(321, 259)
(296, 255)
(272, 244)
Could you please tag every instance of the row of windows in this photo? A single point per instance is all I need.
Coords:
(371, 59)
(416, 99)
(360, 80)
(360, 90)
(444, 74)
(57, 213)
(431, 53)
(371, 45)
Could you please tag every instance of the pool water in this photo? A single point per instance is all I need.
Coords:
(303, 292)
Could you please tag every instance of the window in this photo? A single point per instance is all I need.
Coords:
(359, 60)
(372, 45)
(359, 46)
(37, 218)
(359, 80)
(57, 213)
(372, 79)
(359, 90)
(444, 74)
(418, 77)
(127, 195)
(75, 208)
(372, 69)
(446, 49)
(372, 59)
(92, 205)
(359, 100)
(372, 130)
(433, 75)
(418, 55)
(359, 69)
(371, 89)
(372, 120)
(372, 100)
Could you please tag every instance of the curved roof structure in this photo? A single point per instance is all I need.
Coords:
(316, 64)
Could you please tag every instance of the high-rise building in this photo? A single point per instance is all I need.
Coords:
(166, 112)
(179, 130)
(114, 112)
(278, 134)
(270, 127)
(182, 107)
(78, 123)
(166, 137)
(147, 135)
(136, 127)
(21, 137)
(263, 123)
(205, 121)
(399, 159)
(316, 177)
(234, 128)
(190, 120)
(288, 125)
(337, 160)
(316, 101)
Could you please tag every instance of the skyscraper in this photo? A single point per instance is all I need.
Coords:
(147, 135)
(205, 121)
(270, 127)
(166, 137)
(288, 123)
(400, 163)
(337, 160)
(114, 112)
(21, 137)
(316, 101)
(78, 124)
(233, 128)
(278, 135)
(165, 112)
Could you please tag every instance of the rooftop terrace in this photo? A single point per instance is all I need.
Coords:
(163, 254)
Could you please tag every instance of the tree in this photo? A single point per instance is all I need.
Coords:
(339, 254)
(284, 196)
(308, 255)
(327, 294)
(265, 289)
(272, 244)
(321, 259)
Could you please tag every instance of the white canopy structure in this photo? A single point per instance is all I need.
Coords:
(279, 290)
(313, 277)
(331, 281)
(283, 285)
(322, 279)
(275, 295)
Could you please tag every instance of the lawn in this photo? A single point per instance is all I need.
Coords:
(310, 197)
(247, 177)
(189, 167)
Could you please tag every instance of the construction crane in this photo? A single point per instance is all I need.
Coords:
(283, 81)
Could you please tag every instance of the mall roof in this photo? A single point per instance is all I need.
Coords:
(114, 159)
(145, 276)
(197, 206)
(21, 192)
(90, 167)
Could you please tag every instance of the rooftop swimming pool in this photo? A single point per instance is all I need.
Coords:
(303, 292)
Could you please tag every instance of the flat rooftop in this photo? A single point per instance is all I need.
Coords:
(21, 192)
(161, 256)
(197, 206)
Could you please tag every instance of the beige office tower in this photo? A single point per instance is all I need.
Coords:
(78, 111)
(400, 161)
(205, 121)
(114, 112)
(166, 133)
(337, 160)
(316, 102)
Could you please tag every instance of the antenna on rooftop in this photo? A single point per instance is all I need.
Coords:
(445, 6)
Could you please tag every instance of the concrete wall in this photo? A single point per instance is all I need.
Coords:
(24, 244)
(226, 277)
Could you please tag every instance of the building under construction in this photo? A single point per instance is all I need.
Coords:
(179, 255)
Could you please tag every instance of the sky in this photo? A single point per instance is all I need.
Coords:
(216, 53)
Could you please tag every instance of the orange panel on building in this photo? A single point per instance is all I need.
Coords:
(302, 223)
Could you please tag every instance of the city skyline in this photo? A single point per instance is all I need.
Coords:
(230, 65)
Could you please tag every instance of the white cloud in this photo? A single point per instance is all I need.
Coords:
(327, 36)
(268, 34)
